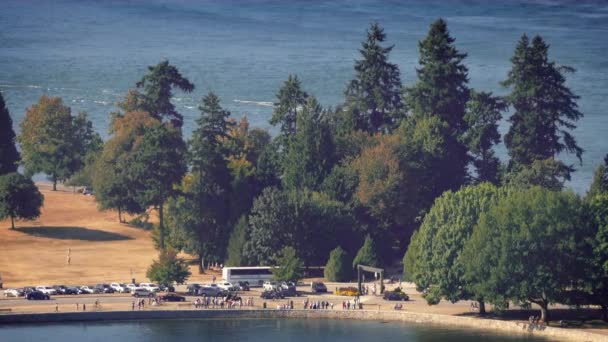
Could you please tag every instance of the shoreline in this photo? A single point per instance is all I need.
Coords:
(490, 325)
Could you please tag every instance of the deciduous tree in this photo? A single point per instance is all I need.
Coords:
(19, 198)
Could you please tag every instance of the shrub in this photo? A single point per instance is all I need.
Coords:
(338, 266)
(368, 254)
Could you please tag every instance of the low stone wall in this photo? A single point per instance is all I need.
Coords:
(503, 327)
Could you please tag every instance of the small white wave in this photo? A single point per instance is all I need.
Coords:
(189, 107)
(258, 103)
(105, 103)
(33, 86)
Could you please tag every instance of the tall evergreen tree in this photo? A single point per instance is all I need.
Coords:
(373, 98)
(290, 98)
(157, 86)
(599, 184)
(482, 117)
(545, 109)
(9, 157)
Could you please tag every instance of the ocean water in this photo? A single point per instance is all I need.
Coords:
(91, 52)
(262, 330)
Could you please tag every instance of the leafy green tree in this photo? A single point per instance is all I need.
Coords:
(545, 109)
(158, 164)
(483, 112)
(9, 157)
(599, 184)
(373, 98)
(87, 149)
(434, 262)
(113, 181)
(338, 268)
(309, 156)
(168, 269)
(368, 254)
(290, 98)
(290, 267)
(157, 86)
(19, 198)
(549, 173)
(526, 248)
(47, 140)
(595, 281)
(237, 240)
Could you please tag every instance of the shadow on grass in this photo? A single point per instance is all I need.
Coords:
(73, 233)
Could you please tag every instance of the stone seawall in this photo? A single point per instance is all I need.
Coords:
(501, 327)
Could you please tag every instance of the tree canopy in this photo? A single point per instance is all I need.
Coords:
(9, 157)
(19, 198)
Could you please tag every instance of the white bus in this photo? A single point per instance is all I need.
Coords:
(255, 276)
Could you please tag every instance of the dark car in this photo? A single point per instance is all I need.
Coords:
(64, 290)
(37, 295)
(28, 289)
(273, 294)
(192, 289)
(172, 297)
(74, 290)
(166, 288)
(395, 295)
(104, 288)
(243, 286)
(318, 287)
(288, 289)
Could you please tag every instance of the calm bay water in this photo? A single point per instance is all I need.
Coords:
(91, 52)
(290, 330)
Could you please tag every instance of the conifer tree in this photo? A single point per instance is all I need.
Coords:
(9, 157)
(599, 184)
(545, 109)
(368, 254)
(373, 98)
(290, 98)
(157, 86)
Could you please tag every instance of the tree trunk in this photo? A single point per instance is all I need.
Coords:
(482, 307)
(605, 313)
(161, 227)
(544, 312)
(119, 215)
(201, 264)
(12, 222)
(54, 184)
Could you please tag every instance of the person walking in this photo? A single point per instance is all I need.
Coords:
(69, 257)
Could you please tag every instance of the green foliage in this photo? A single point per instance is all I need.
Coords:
(595, 280)
(433, 259)
(19, 198)
(373, 98)
(526, 248)
(158, 164)
(157, 86)
(599, 184)
(549, 173)
(545, 109)
(483, 112)
(9, 157)
(309, 156)
(338, 268)
(168, 269)
(237, 240)
(289, 100)
(54, 142)
(290, 267)
(368, 254)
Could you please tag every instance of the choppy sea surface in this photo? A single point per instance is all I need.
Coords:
(91, 52)
(251, 330)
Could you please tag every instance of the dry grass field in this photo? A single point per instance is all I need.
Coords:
(101, 248)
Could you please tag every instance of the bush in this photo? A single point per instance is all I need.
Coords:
(338, 266)
(368, 254)
(168, 269)
(290, 266)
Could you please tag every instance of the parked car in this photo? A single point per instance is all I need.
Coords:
(141, 292)
(272, 294)
(243, 286)
(87, 191)
(88, 289)
(104, 288)
(208, 290)
(395, 295)
(75, 290)
(119, 287)
(64, 290)
(172, 297)
(318, 287)
(192, 289)
(28, 289)
(150, 287)
(288, 288)
(46, 289)
(14, 293)
(166, 288)
(131, 287)
(226, 286)
(37, 295)
(270, 285)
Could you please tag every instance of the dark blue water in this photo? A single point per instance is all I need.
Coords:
(290, 330)
(91, 52)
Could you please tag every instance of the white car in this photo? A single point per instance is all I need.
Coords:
(87, 289)
(150, 287)
(141, 292)
(13, 293)
(270, 285)
(131, 287)
(49, 290)
(119, 287)
(226, 286)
